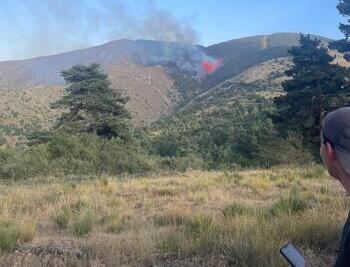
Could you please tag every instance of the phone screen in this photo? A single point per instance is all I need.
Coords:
(293, 256)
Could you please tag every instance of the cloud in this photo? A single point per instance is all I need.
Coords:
(41, 27)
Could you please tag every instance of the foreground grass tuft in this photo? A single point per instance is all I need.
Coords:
(235, 209)
(61, 219)
(292, 203)
(11, 233)
(113, 224)
(83, 224)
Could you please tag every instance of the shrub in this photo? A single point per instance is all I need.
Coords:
(180, 164)
(23, 162)
(79, 155)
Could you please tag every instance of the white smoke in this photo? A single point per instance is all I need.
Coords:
(52, 26)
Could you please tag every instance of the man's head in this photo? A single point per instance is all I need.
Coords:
(335, 147)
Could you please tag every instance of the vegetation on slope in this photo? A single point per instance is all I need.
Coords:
(230, 124)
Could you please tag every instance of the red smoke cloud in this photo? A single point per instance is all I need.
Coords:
(210, 66)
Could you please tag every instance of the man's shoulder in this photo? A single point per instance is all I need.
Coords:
(343, 258)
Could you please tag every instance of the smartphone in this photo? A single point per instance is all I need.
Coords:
(292, 255)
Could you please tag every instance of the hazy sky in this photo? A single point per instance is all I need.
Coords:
(39, 27)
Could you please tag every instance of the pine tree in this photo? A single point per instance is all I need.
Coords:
(344, 9)
(343, 45)
(92, 105)
(316, 87)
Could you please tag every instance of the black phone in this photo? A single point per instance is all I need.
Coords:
(292, 255)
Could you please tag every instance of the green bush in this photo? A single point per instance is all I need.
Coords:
(21, 162)
(227, 136)
(78, 155)
(180, 164)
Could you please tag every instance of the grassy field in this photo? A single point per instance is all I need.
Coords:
(193, 219)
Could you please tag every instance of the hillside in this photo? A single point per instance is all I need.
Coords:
(23, 110)
(231, 124)
(159, 77)
(264, 79)
(244, 53)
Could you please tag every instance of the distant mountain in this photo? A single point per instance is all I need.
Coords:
(157, 76)
(46, 70)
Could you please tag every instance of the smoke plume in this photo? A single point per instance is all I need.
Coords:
(52, 26)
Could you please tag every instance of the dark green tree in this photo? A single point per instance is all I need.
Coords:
(343, 45)
(315, 87)
(92, 105)
(344, 9)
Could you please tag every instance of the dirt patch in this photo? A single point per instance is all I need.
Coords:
(52, 254)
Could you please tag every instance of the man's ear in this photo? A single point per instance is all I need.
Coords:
(331, 155)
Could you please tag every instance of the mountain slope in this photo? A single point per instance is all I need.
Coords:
(241, 54)
(139, 68)
(264, 80)
(46, 70)
(158, 77)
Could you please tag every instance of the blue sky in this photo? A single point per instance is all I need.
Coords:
(32, 28)
(226, 19)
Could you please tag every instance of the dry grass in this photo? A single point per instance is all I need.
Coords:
(262, 71)
(193, 219)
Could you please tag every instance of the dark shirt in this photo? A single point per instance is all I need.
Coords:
(343, 259)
